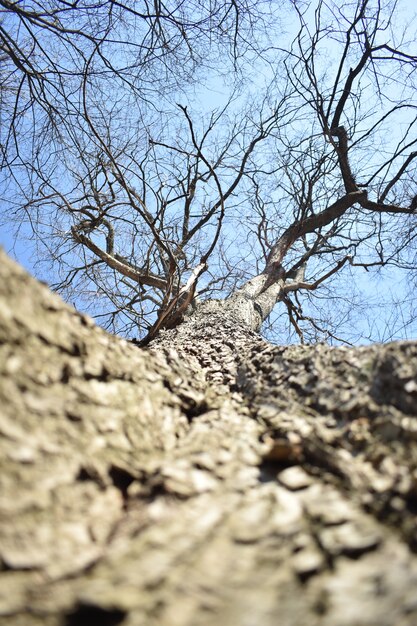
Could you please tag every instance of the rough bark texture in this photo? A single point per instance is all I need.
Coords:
(210, 479)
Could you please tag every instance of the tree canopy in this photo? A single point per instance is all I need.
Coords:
(192, 150)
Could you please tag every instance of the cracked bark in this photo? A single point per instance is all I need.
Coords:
(210, 479)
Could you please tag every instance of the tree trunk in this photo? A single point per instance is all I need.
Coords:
(209, 479)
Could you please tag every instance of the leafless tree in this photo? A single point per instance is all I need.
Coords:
(281, 200)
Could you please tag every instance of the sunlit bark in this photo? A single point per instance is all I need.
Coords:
(209, 479)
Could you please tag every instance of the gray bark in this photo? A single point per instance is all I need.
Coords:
(209, 479)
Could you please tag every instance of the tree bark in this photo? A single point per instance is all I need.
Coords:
(210, 479)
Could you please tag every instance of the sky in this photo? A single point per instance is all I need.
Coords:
(24, 250)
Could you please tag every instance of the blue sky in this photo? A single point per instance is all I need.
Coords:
(24, 249)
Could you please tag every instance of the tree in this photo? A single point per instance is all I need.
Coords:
(211, 477)
(283, 204)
